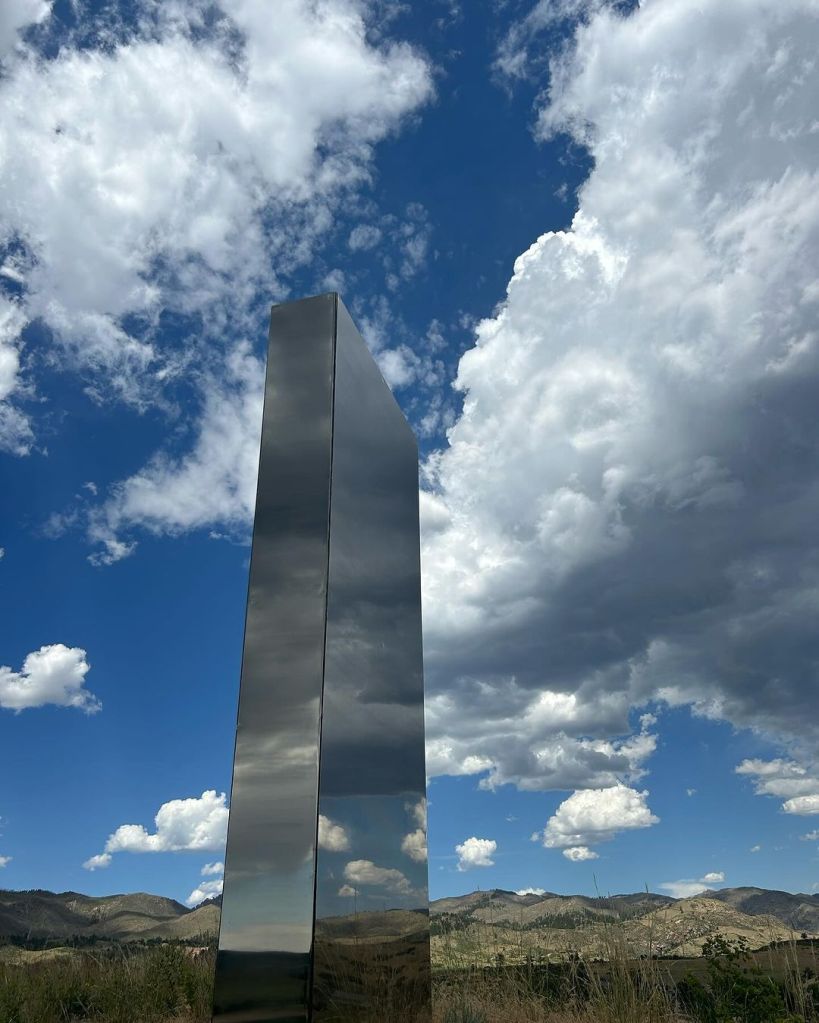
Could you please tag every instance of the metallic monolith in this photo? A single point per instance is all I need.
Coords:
(325, 911)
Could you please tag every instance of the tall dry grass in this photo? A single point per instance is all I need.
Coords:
(118, 985)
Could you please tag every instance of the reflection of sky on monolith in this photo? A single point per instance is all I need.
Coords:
(332, 663)
(268, 898)
(372, 743)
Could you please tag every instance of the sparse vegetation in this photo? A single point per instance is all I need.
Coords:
(167, 983)
(496, 960)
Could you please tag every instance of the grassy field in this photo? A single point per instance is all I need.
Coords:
(172, 984)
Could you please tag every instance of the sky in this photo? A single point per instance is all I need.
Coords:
(580, 239)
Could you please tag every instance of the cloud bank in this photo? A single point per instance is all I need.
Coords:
(624, 515)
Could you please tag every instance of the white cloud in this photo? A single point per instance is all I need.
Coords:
(17, 14)
(418, 811)
(638, 415)
(688, 888)
(691, 792)
(331, 836)
(54, 674)
(811, 836)
(4, 861)
(415, 845)
(591, 816)
(755, 848)
(785, 778)
(476, 852)
(580, 853)
(210, 869)
(15, 431)
(99, 862)
(168, 173)
(365, 872)
(204, 890)
(347, 891)
(182, 825)
(531, 891)
(535, 740)
(802, 804)
(364, 236)
(714, 877)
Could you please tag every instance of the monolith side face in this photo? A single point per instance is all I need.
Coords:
(325, 911)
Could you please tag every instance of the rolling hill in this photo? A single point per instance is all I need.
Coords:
(462, 926)
(39, 914)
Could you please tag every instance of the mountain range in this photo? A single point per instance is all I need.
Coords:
(498, 918)
(38, 914)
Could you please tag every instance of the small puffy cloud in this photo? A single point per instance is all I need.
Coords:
(4, 861)
(811, 836)
(715, 877)
(415, 845)
(54, 674)
(363, 237)
(331, 836)
(346, 891)
(579, 853)
(182, 825)
(204, 890)
(591, 816)
(211, 869)
(531, 891)
(476, 852)
(99, 862)
(365, 872)
(691, 792)
(687, 888)
(802, 805)
(779, 777)
(755, 848)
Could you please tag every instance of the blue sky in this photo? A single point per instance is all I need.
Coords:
(580, 239)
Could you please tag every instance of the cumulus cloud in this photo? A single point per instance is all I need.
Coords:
(784, 778)
(531, 891)
(415, 845)
(182, 825)
(591, 816)
(99, 862)
(688, 888)
(54, 674)
(347, 891)
(4, 861)
(331, 836)
(476, 852)
(802, 804)
(187, 171)
(365, 872)
(204, 890)
(624, 515)
(210, 869)
(579, 853)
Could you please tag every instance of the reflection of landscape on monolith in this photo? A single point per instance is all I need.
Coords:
(325, 911)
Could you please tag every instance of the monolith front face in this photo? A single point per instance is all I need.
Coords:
(325, 912)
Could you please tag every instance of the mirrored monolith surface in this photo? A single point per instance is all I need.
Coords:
(325, 911)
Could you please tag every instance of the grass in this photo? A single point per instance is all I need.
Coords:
(163, 984)
(169, 984)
